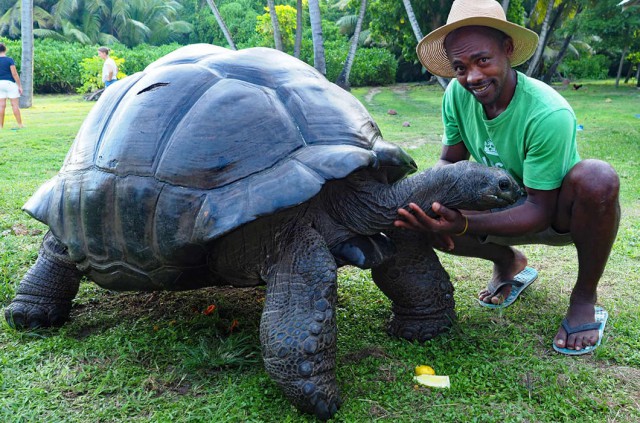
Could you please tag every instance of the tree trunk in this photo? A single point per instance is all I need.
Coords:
(638, 75)
(26, 66)
(319, 61)
(277, 38)
(298, 44)
(563, 50)
(622, 56)
(222, 25)
(542, 41)
(505, 6)
(418, 34)
(629, 73)
(343, 78)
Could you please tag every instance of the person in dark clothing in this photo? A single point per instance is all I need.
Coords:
(10, 86)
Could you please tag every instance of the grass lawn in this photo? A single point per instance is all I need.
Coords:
(140, 357)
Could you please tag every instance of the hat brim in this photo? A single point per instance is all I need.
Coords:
(433, 55)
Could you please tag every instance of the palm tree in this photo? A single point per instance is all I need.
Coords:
(343, 78)
(222, 25)
(418, 34)
(26, 67)
(319, 61)
(542, 41)
(298, 44)
(566, 44)
(277, 38)
(505, 6)
(103, 21)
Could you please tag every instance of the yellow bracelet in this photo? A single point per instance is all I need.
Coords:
(466, 226)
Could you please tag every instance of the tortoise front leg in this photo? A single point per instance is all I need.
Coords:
(419, 287)
(298, 328)
(43, 298)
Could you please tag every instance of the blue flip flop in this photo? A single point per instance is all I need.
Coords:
(599, 324)
(519, 283)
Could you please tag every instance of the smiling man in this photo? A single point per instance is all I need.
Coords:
(505, 119)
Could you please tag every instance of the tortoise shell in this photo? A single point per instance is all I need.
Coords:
(202, 141)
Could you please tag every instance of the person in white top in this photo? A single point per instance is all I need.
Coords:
(109, 68)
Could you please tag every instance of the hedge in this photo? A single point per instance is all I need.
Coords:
(58, 65)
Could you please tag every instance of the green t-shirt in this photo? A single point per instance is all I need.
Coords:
(534, 139)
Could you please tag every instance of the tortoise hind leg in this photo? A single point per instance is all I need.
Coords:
(419, 288)
(298, 327)
(43, 298)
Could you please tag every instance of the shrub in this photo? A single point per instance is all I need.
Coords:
(91, 73)
(64, 67)
(372, 66)
(591, 67)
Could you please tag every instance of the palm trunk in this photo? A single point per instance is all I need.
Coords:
(319, 61)
(298, 44)
(26, 66)
(563, 50)
(629, 73)
(542, 41)
(622, 56)
(418, 34)
(277, 38)
(343, 78)
(222, 25)
(505, 6)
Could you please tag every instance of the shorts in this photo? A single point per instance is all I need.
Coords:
(107, 83)
(9, 89)
(548, 236)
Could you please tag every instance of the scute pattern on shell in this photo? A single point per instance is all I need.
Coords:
(203, 140)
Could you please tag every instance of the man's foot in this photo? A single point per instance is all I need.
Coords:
(503, 272)
(578, 315)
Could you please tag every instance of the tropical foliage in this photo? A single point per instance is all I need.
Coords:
(130, 22)
(574, 32)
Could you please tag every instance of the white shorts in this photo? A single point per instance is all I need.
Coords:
(9, 89)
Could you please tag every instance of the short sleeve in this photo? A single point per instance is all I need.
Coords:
(551, 150)
(451, 135)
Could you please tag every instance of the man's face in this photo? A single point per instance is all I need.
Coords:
(480, 58)
(102, 54)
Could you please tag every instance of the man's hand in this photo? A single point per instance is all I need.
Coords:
(447, 223)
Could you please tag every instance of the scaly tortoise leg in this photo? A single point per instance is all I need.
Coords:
(43, 298)
(418, 286)
(298, 328)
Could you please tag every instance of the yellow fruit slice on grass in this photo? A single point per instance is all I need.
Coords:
(433, 381)
(424, 370)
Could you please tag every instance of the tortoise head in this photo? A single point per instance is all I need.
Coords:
(472, 186)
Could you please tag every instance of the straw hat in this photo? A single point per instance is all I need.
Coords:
(489, 13)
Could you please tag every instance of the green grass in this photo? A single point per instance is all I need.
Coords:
(156, 357)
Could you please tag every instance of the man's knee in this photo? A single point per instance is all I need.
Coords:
(594, 181)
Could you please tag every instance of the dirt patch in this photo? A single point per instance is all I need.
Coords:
(358, 356)
(108, 309)
(372, 93)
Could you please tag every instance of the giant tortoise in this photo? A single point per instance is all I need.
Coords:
(219, 167)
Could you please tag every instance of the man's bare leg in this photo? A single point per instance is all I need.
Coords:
(588, 207)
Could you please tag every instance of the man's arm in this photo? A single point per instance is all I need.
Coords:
(536, 214)
(452, 154)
